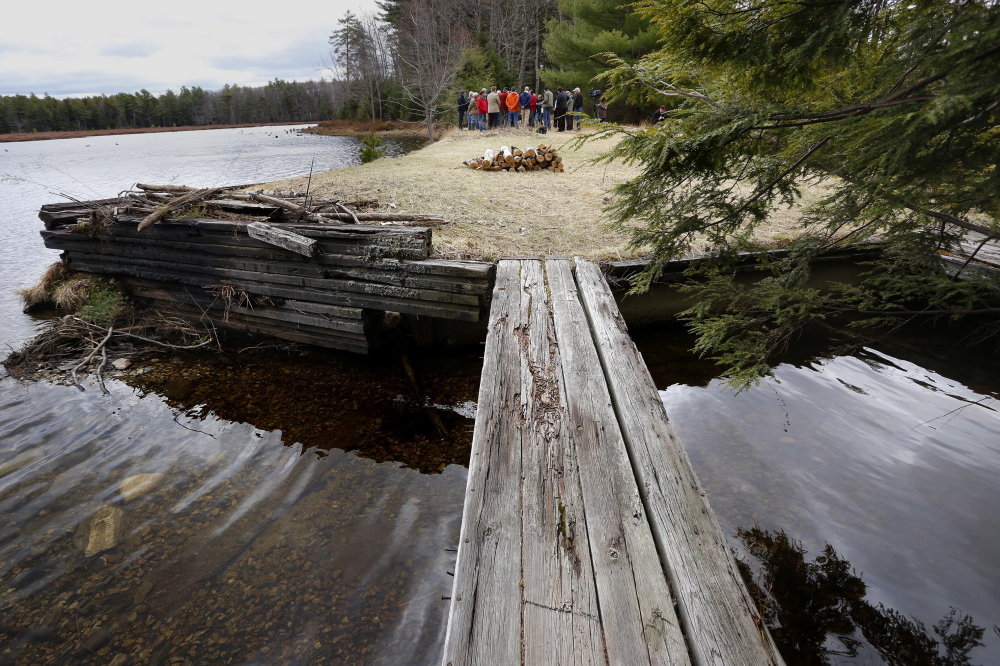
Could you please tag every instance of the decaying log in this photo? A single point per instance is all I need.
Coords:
(289, 206)
(283, 238)
(175, 189)
(179, 202)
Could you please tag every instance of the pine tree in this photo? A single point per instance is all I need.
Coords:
(587, 36)
(890, 109)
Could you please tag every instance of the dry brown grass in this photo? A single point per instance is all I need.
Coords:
(72, 294)
(492, 214)
(365, 127)
(43, 292)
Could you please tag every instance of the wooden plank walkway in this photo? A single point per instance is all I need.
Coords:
(584, 526)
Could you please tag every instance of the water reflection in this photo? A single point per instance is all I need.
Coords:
(891, 453)
(818, 614)
(136, 532)
(330, 400)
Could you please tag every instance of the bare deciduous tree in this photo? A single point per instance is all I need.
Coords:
(431, 39)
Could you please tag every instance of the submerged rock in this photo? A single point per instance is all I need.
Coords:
(22, 459)
(102, 532)
(139, 484)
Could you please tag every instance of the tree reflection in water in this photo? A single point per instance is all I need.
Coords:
(817, 612)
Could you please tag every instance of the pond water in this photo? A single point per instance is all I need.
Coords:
(286, 505)
(33, 173)
(269, 506)
(887, 459)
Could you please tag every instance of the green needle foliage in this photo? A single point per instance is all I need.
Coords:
(889, 108)
(370, 149)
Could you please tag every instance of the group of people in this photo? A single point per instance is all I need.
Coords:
(494, 108)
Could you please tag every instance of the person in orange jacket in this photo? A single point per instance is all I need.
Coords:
(513, 109)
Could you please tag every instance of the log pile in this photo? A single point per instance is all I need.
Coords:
(296, 279)
(155, 202)
(511, 158)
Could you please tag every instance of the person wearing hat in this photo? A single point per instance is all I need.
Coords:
(577, 108)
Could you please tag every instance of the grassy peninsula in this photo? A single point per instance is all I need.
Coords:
(489, 215)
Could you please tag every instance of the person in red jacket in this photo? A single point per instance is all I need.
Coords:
(502, 95)
(484, 109)
(533, 108)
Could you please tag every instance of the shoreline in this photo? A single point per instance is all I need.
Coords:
(18, 137)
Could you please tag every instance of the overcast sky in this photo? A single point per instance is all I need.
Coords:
(85, 48)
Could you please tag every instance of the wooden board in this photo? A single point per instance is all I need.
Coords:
(397, 274)
(720, 620)
(283, 238)
(556, 564)
(488, 568)
(637, 610)
(472, 272)
(341, 298)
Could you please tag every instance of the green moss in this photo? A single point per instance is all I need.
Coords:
(104, 306)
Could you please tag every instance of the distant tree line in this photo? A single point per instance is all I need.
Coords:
(406, 62)
(278, 101)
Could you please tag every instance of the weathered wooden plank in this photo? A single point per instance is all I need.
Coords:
(283, 238)
(561, 621)
(262, 312)
(636, 607)
(327, 339)
(484, 621)
(327, 284)
(347, 299)
(720, 620)
(473, 272)
(396, 275)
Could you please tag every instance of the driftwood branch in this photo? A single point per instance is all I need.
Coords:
(428, 408)
(179, 202)
(289, 206)
(76, 382)
(175, 189)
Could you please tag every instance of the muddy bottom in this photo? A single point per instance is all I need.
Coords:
(269, 506)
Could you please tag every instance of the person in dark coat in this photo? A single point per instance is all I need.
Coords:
(562, 106)
(660, 114)
(463, 108)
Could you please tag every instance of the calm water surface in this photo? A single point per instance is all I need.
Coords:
(303, 512)
(240, 544)
(890, 455)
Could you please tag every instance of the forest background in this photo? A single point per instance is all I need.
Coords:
(407, 62)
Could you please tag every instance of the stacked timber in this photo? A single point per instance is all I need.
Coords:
(317, 283)
(511, 158)
(156, 202)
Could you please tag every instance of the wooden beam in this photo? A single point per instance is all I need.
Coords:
(489, 553)
(637, 609)
(721, 622)
(283, 238)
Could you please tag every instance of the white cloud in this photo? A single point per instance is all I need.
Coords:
(109, 47)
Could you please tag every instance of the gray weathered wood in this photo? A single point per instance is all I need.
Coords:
(561, 616)
(488, 569)
(721, 622)
(637, 611)
(283, 238)
(549, 470)
(347, 299)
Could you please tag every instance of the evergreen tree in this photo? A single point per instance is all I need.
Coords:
(580, 42)
(889, 108)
